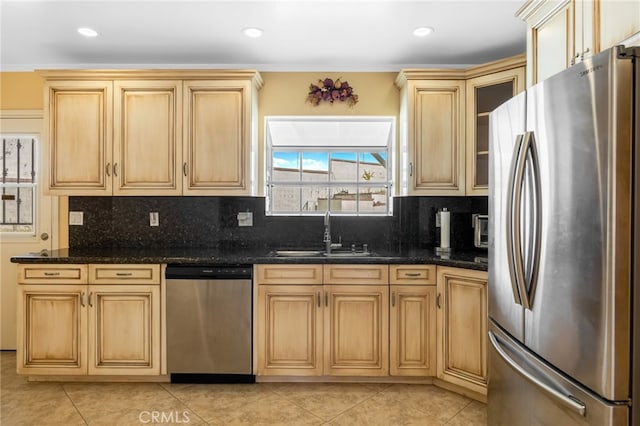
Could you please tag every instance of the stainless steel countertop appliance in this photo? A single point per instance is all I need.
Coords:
(564, 244)
(209, 324)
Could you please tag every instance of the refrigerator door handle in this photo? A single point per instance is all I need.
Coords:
(569, 401)
(513, 211)
(530, 152)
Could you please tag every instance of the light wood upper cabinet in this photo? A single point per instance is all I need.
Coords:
(147, 137)
(74, 322)
(484, 94)
(432, 135)
(444, 117)
(217, 138)
(462, 328)
(562, 33)
(161, 132)
(77, 137)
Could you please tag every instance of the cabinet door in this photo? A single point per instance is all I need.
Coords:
(619, 20)
(484, 94)
(290, 330)
(356, 330)
(217, 136)
(550, 43)
(52, 321)
(462, 328)
(412, 349)
(147, 137)
(78, 118)
(124, 329)
(436, 137)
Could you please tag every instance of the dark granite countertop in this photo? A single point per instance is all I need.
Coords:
(203, 255)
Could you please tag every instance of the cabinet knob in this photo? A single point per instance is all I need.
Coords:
(44, 236)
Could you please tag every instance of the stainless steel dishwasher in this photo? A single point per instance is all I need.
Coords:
(209, 317)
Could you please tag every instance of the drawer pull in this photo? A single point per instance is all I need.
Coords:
(124, 274)
(412, 274)
(51, 274)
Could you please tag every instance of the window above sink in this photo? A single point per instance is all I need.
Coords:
(339, 164)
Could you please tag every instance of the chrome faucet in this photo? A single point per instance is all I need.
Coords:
(327, 234)
(327, 231)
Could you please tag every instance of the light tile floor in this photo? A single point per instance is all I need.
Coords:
(23, 403)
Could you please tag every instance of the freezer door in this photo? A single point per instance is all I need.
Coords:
(506, 131)
(579, 318)
(525, 391)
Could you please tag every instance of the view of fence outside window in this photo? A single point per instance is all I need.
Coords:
(18, 184)
(315, 164)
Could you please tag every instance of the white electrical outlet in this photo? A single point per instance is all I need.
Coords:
(76, 218)
(154, 219)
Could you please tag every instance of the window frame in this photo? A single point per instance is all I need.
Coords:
(387, 183)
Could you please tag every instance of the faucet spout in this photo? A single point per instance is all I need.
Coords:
(327, 231)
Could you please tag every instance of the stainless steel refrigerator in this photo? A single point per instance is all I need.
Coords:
(563, 248)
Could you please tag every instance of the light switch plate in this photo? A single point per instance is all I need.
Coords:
(76, 218)
(245, 219)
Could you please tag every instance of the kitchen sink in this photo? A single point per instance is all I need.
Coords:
(322, 253)
(299, 253)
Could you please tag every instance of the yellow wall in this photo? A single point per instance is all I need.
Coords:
(20, 90)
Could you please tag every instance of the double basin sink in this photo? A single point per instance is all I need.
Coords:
(322, 253)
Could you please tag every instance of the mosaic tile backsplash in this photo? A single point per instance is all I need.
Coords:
(212, 222)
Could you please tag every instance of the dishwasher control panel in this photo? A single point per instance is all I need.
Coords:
(209, 272)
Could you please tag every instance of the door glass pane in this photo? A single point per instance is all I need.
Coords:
(17, 157)
(491, 97)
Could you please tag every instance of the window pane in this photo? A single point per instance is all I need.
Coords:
(314, 199)
(373, 166)
(373, 200)
(315, 166)
(285, 199)
(286, 166)
(344, 200)
(344, 167)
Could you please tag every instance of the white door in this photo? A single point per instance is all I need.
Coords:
(27, 217)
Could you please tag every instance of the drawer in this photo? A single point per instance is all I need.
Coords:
(288, 274)
(124, 274)
(52, 274)
(412, 274)
(356, 274)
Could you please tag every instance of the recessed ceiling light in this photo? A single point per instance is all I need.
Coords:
(422, 31)
(253, 32)
(87, 32)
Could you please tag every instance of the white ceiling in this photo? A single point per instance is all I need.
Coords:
(302, 35)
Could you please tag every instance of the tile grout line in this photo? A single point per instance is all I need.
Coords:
(187, 405)
(64, 390)
(459, 411)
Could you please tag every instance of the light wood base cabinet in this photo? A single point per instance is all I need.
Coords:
(290, 330)
(356, 330)
(462, 328)
(305, 328)
(69, 326)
